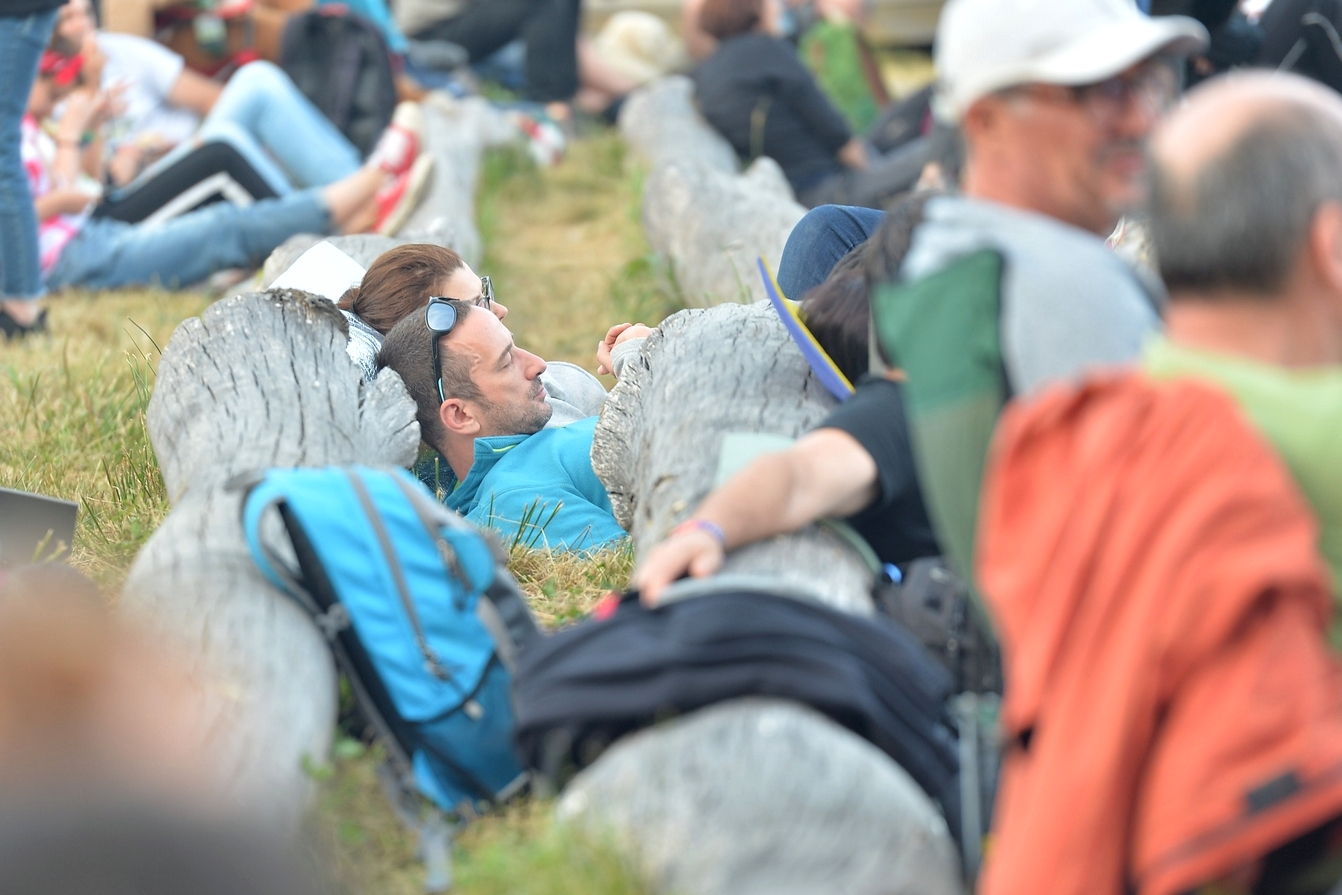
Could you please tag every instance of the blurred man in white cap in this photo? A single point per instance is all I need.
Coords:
(1056, 100)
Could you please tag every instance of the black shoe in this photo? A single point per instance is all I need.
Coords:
(13, 329)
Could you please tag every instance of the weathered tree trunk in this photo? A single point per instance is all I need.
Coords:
(701, 375)
(765, 797)
(709, 221)
(257, 381)
(750, 796)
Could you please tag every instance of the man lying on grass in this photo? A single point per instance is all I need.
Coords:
(481, 405)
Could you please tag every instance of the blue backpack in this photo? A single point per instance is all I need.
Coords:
(423, 619)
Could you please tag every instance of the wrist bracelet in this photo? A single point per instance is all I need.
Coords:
(703, 525)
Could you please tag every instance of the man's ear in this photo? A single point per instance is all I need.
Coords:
(1325, 245)
(458, 417)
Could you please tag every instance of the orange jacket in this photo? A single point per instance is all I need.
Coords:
(1153, 576)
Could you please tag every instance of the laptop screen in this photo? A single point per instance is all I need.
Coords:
(35, 528)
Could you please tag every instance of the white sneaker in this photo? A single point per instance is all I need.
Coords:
(402, 141)
(398, 200)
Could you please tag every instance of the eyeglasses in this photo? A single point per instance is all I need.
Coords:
(1154, 86)
(441, 316)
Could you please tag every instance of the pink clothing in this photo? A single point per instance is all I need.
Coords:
(39, 152)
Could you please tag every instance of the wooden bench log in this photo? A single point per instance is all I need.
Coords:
(702, 374)
(708, 220)
(258, 380)
(765, 797)
(750, 796)
(660, 122)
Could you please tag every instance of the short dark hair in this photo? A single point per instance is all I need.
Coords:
(890, 243)
(1242, 220)
(408, 349)
(836, 312)
(727, 18)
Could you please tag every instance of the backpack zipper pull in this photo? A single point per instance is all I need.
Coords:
(474, 710)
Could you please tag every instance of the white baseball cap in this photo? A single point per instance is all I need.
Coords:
(988, 45)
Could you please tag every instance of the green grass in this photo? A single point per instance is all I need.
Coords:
(568, 257)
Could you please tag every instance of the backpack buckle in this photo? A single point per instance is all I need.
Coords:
(333, 620)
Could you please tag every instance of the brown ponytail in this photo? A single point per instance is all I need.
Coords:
(400, 282)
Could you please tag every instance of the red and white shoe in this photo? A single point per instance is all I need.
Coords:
(397, 200)
(402, 141)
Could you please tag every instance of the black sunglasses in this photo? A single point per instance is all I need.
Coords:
(441, 315)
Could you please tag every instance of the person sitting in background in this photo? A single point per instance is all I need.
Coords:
(106, 254)
(170, 109)
(1055, 155)
(756, 93)
(1154, 566)
(400, 283)
(547, 28)
(483, 407)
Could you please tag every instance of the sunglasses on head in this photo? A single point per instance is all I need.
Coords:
(441, 316)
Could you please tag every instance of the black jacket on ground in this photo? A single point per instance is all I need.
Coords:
(754, 74)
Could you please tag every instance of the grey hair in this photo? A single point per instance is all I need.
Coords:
(408, 349)
(1241, 222)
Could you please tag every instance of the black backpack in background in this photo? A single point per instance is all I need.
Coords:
(340, 61)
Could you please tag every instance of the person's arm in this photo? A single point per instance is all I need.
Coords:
(63, 201)
(195, 92)
(827, 473)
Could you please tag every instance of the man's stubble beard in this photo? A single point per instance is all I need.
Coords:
(526, 418)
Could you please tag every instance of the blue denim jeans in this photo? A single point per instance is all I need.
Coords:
(269, 120)
(819, 241)
(108, 254)
(21, 41)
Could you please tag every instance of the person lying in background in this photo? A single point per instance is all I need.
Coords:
(106, 254)
(756, 93)
(483, 407)
(1150, 542)
(400, 283)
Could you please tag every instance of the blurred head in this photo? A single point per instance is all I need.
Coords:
(57, 75)
(837, 313)
(86, 704)
(1056, 99)
(725, 19)
(74, 23)
(1247, 191)
(401, 281)
(490, 386)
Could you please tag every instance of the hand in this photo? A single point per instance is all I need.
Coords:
(126, 164)
(108, 104)
(76, 117)
(694, 552)
(94, 60)
(620, 332)
(853, 154)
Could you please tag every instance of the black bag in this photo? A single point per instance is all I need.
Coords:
(579, 690)
(935, 606)
(340, 61)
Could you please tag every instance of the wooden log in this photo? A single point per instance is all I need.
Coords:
(750, 796)
(661, 123)
(708, 220)
(702, 374)
(712, 226)
(259, 380)
(765, 797)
